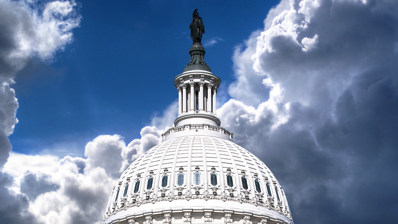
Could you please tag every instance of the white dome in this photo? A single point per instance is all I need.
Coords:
(195, 197)
(197, 174)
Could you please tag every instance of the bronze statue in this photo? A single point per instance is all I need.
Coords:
(197, 27)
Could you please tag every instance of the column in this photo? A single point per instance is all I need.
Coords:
(201, 96)
(214, 100)
(184, 98)
(208, 97)
(179, 101)
(192, 96)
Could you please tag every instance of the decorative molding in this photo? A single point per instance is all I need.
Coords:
(167, 219)
(216, 187)
(197, 127)
(207, 217)
(187, 217)
(148, 219)
(228, 219)
(246, 220)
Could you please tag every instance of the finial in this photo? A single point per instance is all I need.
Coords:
(197, 51)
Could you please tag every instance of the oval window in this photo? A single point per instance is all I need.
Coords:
(149, 185)
(258, 187)
(230, 182)
(269, 190)
(164, 181)
(244, 183)
(197, 178)
(125, 190)
(180, 179)
(137, 186)
(213, 179)
(117, 193)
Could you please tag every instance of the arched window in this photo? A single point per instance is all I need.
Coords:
(244, 183)
(197, 178)
(213, 179)
(180, 179)
(230, 181)
(117, 193)
(269, 190)
(258, 187)
(277, 193)
(125, 190)
(137, 186)
(164, 180)
(149, 184)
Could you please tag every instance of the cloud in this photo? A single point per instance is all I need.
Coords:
(212, 41)
(28, 30)
(323, 121)
(32, 185)
(315, 98)
(166, 119)
(14, 208)
(104, 151)
(71, 189)
(150, 136)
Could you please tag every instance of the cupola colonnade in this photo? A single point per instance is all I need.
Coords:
(202, 99)
(197, 92)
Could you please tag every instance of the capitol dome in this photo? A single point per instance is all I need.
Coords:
(197, 174)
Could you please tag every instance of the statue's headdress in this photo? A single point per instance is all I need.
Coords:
(195, 13)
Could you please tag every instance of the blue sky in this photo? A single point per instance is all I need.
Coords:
(310, 87)
(118, 71)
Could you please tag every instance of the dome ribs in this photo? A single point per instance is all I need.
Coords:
(189, 170)
(159, 170)
(173, 170)
(220, 166)
(205, 184)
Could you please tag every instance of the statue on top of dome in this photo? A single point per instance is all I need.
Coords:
(197, 27)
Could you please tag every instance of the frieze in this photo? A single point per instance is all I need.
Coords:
(197, 127)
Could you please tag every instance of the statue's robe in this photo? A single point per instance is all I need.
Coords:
(197, 29)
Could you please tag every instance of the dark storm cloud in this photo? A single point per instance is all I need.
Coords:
(33, 185)
(13, 209)
(329, 129)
